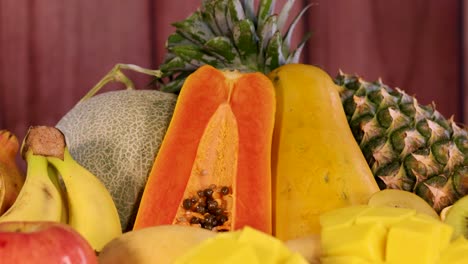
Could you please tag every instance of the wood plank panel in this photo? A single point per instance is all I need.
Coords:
(414, 45)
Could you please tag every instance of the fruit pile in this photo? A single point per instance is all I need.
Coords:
(243, 154)
(58, 189)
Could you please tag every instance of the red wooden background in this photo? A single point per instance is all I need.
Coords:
(53, 51)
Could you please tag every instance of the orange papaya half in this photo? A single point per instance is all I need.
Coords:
(213, 169)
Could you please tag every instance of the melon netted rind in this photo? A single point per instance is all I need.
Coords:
(116, 136)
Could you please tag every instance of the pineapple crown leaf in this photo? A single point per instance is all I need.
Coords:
(284, 14)
(228, 34)
(295, 54)
(293, 25)
(265, 10)
(249, 9)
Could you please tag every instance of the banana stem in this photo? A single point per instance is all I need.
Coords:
(116, 75)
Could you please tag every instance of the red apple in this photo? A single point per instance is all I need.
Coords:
(43, 242)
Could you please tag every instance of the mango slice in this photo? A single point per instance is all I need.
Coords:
(345, 260)
(342, 217)
(366, 240)
(412, 241)
(382, 234)
(246, 246)
(456, 252)
(386, 216)
(270, 249)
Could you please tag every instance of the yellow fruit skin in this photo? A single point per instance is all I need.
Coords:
(11, 176)
(317, 164)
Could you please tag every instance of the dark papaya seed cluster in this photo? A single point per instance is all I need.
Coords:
(207, 208)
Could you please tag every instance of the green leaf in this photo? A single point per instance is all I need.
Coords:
(220, 12)
(175, 85)
(284, 14)
(295, 55)
(208, 15)
(268, 30)
(248, 6)
(273, 54)
(176, 39)
(235, 12)
(195, 56)
(194, 29)
(265, 10)
(245, 40)
(176, 64)
(291, 29)
(223, 47)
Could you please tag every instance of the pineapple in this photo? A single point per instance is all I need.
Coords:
(228, 35)
(407, 145)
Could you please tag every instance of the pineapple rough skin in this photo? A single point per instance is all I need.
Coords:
(407, 145)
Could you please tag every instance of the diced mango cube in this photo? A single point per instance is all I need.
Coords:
(243, 254)
(455, 253)
(413, 241)
(385, 215)
(268, 248)
(345, 260)
(342, 217)
(212, 250)
(364, 240)
(246, 246)
(295, 258)
(444, 231)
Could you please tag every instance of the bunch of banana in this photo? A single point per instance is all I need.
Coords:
(11, 177)
(59, 189)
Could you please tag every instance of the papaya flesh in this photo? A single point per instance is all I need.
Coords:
(213, 169)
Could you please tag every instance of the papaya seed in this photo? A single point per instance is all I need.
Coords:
(187, 204)
(225, 190)
(208, 192)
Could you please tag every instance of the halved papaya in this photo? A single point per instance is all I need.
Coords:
(213, 169)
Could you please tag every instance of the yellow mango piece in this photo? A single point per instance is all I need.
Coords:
(268, 248)
(210, 251)
(455, 253)
(385, 215)
(342, 217)
(365, 240)
(413, 241)
(243, 254)
(295, 258)
(246, 246)
(442, 231)
(345, 260)
(427, 218)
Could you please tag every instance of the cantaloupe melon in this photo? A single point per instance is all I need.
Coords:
(116, 136)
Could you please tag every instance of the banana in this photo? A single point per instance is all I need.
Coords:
(54, 176)
(39, 199)
(91, 210)
(11, 177)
